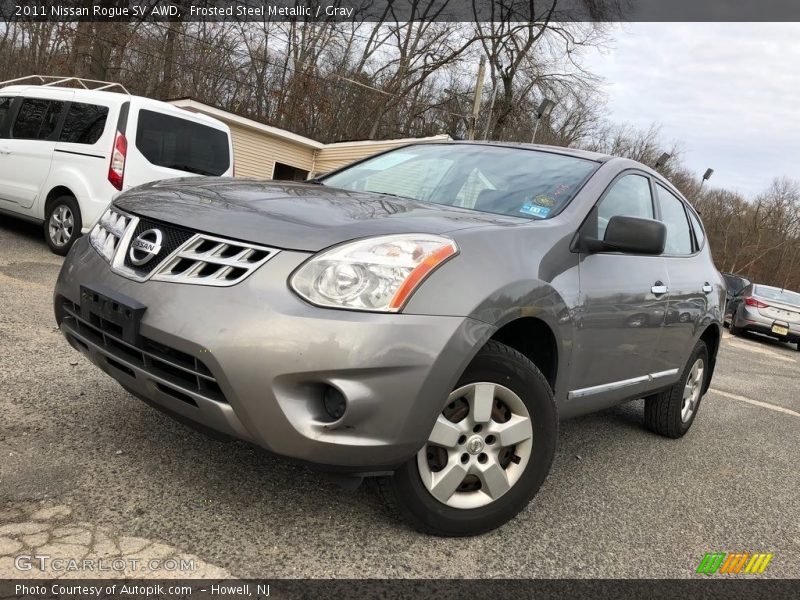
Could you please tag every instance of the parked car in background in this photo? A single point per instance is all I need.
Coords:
(734, 284)
(425, 315)
(765, 309)
(64, 152)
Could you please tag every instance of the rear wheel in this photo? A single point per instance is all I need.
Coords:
(62, 224)
(489, 452)
(672, 412)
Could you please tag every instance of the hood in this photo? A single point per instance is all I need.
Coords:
(292, 216)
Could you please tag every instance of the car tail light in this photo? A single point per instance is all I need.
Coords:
(116, 169)
(750, 301)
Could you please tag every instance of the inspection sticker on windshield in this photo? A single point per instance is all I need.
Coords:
(529, 208)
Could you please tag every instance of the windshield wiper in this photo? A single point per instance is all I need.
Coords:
(392, 195)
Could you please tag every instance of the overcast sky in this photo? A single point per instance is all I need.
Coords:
(729, 93)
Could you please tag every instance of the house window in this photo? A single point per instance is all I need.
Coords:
(284, 172)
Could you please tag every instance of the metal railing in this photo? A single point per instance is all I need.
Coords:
(60, 80)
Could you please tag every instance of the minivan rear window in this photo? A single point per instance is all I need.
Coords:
(84, 124)
(176, 143)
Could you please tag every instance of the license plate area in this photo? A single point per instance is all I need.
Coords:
(780, 329)
(112, 312)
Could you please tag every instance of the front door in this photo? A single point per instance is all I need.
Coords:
(623, 299)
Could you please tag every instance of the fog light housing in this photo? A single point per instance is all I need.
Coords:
(334, 403)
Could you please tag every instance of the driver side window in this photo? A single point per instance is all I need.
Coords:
(629, 197)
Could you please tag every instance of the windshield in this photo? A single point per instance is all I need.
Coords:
(778, 295)
(510, 181)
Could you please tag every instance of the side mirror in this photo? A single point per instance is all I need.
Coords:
(632, 235)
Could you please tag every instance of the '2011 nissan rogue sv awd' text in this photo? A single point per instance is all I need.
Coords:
(425, 316)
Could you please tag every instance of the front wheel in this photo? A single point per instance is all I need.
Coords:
(672, 412)
(488, 453)
(62, 224)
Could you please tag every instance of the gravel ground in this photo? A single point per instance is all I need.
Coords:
(619, 502)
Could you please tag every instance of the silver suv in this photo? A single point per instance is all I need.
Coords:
(425, 316)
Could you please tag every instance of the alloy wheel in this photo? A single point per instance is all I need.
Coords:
(692, 390)
(61, 225)
(479, 447)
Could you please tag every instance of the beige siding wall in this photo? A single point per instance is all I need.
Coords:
(256, 152)
(333, 156)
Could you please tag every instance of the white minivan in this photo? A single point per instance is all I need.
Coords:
(64, 152)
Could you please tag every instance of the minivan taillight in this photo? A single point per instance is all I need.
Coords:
(750, 301)
(116, 169)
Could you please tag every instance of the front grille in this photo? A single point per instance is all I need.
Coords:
(108, 232)
(172, 238)
(209, 260)
(183, 255)
(170, 364)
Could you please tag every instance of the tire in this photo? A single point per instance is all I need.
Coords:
(62, 224)
(672, 412)
(732, 327)
(497, 480)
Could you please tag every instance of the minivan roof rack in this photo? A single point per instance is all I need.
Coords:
(58, 80)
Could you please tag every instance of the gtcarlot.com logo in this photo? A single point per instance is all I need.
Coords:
(45, 562)
(734, 562)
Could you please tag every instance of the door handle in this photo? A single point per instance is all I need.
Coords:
(707, 288)
(659, 289)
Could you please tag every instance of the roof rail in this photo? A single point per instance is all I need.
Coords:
(54, 80)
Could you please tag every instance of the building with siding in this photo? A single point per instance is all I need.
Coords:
(268, 152)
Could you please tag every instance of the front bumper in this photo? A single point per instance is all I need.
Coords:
(253, 360)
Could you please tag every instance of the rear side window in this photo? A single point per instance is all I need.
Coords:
(698, 229)
(37, 119)
(5, 109)
(673, 214)
(176, 143)
(84, 124)
(628, 197)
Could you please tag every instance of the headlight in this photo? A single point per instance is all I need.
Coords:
(377, 274)
(107, 232)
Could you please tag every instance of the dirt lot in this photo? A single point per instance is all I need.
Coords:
(88, 471)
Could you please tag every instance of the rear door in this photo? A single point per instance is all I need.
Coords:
(28, 150)
(623, 300)
(165, 146)
(86, 138)
(689, 288)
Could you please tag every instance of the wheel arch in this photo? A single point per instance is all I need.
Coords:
(533, 318)
(712, 336)
(533, 338)
(66, 180)
(57, 192)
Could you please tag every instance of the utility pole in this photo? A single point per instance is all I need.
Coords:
(476, 105)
